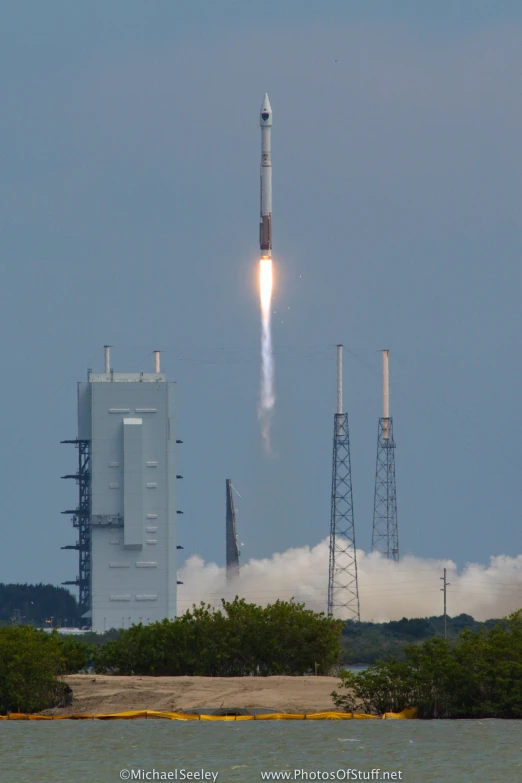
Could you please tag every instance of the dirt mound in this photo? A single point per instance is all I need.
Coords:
(106, 693)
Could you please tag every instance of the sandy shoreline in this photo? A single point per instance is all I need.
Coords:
(105, 693)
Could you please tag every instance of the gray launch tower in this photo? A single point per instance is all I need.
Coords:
(343, 586)
(232, 548)
(126, 514)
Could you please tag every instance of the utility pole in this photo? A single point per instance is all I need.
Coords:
(444, 590)
(343, 588)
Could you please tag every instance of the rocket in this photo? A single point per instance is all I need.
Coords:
(265, 222)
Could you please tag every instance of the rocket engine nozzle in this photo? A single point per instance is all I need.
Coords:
(265, 234)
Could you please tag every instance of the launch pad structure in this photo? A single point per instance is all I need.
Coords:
(385, 530)
(343, 587)
(127, 511)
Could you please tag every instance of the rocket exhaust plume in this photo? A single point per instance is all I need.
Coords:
(267, 400)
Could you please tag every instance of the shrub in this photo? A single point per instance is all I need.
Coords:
(480, 675)
(30, 662)
(238, 639)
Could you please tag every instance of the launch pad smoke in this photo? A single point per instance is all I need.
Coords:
(388, 590)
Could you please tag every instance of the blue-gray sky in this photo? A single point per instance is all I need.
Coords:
(129, 199)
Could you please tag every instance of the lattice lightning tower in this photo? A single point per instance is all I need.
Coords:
(385, 533)
(343, 589)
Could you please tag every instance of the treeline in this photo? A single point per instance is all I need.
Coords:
(239, 639)
(24, 604)
(478, 675)
(367, 643)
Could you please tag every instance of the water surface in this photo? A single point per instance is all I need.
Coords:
(424, 751)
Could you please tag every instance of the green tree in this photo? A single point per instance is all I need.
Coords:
(478, 675)
(77, 655)
(236, 640)
(30, 663)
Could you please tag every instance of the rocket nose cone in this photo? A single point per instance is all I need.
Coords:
(266, 112)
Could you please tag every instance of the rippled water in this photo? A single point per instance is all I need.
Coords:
(96, 752)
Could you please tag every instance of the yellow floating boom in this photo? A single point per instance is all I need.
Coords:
(407, 714)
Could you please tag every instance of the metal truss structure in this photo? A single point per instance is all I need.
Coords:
(81, 519)
(343, 589)
(385, 532)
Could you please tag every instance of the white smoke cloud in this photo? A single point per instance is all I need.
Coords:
(387, 590)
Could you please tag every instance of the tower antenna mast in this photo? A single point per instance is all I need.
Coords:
(343, 587)
(385, 531)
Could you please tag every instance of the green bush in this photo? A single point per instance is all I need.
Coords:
(30, 662)
(479, 675)
(240, 639)
(77, 655)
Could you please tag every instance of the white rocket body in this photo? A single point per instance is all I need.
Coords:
(265, 223)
